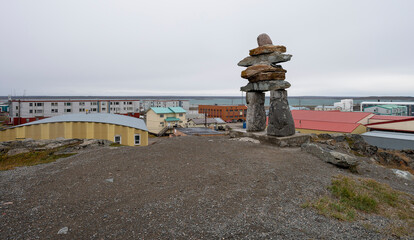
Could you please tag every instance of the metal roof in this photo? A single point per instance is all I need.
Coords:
(329, 116)
(392, 135)
(199, 121)
(161, 110)
(177, 109)
(326, 126)
(95, 117)
(172, 119)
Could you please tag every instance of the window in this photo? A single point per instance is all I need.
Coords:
(30, 111)
(31, 104)
(181, 114)
(161, 115)
(93, 109)
(39, 111)
(17, 114)
(54, 104)
(93, 103)
(103, 109)
(162, 124)
(130, 103)
(103, 104)
(137, 139)
(17, 107)
(116, 103)
(54, 110)
(39, 104)
(82, 104)
(81, 109)
(67, 104)
(117, 139)
(67, 110)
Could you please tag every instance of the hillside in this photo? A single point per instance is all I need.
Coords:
(185, 188)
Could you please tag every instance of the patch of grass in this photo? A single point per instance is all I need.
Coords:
(350, 198)
(32, 158)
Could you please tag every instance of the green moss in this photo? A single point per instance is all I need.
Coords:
(32, 158)
(350, 198)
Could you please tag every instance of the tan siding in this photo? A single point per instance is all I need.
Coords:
(82, 130)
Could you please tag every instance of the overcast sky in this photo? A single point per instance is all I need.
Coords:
(130, 47)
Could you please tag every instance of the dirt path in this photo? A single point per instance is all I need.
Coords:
(186, 188)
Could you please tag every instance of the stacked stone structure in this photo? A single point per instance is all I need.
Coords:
(265, 74)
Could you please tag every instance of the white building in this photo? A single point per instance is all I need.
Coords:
(147, 104)
(346, 105)
(27, 110)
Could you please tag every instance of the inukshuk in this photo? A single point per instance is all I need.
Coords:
(264, 74)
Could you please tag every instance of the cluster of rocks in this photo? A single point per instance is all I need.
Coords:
(355, 145)
(264, 74)
(11, 148)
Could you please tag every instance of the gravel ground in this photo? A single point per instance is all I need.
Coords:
(180, 188)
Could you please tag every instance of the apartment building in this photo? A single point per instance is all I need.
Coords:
(24, 110)
(227, 113)
(147, 104)
(162, 120)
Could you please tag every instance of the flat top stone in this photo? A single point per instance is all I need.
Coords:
(264, 39)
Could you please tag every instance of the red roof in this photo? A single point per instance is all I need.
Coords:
(382, 117)
(326, 126)
(329, 116)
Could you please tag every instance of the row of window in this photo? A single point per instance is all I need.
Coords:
(180, 114)
(54, 104)
(137, 139)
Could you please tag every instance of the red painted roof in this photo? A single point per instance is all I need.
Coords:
(329, 116)
(326, 126)
(382, 117)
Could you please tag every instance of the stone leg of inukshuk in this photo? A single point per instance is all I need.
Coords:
(256, 114)
(280, 118)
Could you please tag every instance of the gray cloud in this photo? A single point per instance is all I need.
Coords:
(192, 48)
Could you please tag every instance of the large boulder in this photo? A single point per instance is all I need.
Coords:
(338, 159)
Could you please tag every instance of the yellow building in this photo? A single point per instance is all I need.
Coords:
(162, 120)
(113, 127)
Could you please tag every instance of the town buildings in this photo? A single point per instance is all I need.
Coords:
(162, 120)
(147, 104)
(409, 105)
(330, 121)
(227, 113)
(387, 109)
(345, 105)
(120, 129)
(24, 110)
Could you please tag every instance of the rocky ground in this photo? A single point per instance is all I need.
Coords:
(185, 188)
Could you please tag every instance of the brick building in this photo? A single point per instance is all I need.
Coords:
(227, 113)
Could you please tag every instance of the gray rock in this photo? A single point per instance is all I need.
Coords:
(264, 86)
(264, 39)
(111, 180)
(280, 118)
(63, 230)
(16, 151)
(270, 58)
(403, 174)
(256, 114)
(336, 158)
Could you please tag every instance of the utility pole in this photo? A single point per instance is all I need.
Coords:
(205, 119)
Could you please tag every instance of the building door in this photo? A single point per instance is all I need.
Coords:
(117, 139)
